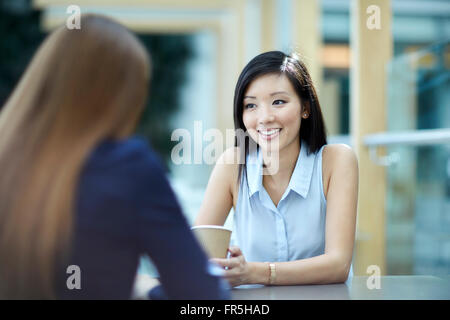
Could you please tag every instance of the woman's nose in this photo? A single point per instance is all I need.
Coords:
(265, 115)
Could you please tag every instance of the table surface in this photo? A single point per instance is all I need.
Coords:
(390, 288)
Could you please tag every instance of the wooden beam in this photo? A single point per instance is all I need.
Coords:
(183, 4)
(307, 37)
(371, 43)
(268, 16)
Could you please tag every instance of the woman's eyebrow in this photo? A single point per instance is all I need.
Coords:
(272, 94)
(279, 92)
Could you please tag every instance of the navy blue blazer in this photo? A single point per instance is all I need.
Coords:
(126, 208)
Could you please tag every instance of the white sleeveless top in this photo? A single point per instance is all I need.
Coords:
(293, 230)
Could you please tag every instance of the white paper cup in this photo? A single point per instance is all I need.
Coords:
(215, 240)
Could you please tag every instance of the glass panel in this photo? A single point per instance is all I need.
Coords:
(418, 194)
(418, 211)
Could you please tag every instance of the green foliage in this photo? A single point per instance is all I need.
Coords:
(169, 55)
(20, 36)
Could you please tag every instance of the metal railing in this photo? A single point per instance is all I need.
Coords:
(404, 138)
(410, 138)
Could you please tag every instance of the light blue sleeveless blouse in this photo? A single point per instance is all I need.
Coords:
(293, 230)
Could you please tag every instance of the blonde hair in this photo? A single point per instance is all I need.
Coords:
(81, 87)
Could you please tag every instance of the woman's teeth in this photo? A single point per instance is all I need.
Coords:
(269, 133)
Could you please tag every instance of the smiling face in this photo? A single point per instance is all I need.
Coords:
(272, 112)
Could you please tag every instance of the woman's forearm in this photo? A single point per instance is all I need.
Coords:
(321, 269)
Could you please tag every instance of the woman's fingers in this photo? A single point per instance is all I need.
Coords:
(220, 262)
(235, 251)
(229, 263)
(235, 266)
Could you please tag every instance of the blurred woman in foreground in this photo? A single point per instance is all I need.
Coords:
(76, 188)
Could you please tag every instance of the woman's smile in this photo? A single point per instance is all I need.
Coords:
(269, 134)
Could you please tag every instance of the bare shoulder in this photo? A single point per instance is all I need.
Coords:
(229, 157)
(339, 154)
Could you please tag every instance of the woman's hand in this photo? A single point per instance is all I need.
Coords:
(236, 268)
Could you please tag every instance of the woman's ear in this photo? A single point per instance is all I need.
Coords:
(305, 110)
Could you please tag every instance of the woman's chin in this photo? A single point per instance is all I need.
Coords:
(269, 146)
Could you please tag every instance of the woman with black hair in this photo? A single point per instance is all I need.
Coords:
(294, 196)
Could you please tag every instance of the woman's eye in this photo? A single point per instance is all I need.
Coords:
(250, 106)
(277, 102)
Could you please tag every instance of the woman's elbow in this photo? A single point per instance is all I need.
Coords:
(343, 274)
(341, 270)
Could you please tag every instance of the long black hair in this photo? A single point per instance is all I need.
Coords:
(312, 129)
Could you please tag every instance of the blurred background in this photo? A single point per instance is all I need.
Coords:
(383, 77)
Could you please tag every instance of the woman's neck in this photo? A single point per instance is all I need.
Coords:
(279, 166)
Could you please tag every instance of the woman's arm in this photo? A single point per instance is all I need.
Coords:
(164, 234)
(332, 266)
(321, 269)
(342, 200)
(218, 198)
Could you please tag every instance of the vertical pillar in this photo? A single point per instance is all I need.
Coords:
(307, 37)
(268, 16)
(371, 44)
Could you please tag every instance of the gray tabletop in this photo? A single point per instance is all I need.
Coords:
(390, 288)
